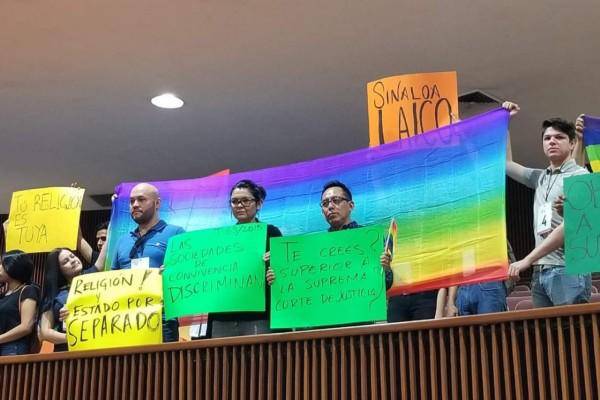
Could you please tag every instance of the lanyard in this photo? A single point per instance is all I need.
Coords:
(552, 182)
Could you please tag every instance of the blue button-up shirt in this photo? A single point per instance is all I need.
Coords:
(152, 245)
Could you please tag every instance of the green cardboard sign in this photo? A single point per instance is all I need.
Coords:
(215, 270)
(328, 278)
(582, 223)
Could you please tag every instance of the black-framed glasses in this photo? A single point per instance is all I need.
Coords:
(244, 202)
(336, 200)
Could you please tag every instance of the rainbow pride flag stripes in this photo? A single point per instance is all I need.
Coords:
(445, 189)
(591, 139)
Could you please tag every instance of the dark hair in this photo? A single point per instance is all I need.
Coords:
(339, 184)
(102, 225)
(53, 278)
(258, 192)
(561, 125)
(18, 265)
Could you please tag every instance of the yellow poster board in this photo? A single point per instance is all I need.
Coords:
(43, 219)
(407, 105)
(115, 309)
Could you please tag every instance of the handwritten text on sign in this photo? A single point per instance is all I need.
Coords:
(115, 309)
(328, 278)
(407, 105)
(582, 230)
(43, 219)
(216, 270)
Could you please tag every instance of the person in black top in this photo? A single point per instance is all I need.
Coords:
(337, 206)
(246, 199)
(18, 304)
(61, 267)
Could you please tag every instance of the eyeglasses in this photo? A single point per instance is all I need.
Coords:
(103, 238)
(245, 202)
(336, 200)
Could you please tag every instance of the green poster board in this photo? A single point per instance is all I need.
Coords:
(215, 270)
(582, 223)
(328, 278)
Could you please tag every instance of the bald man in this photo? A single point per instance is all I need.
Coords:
(145, 246)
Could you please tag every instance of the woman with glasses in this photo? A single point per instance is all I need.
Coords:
(18, 304)
(246, 199)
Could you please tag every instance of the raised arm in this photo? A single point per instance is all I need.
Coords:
(99, 264)
(579, 150)
(515, 170)
(84, 248)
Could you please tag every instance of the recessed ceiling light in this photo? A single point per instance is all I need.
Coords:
(167, 100)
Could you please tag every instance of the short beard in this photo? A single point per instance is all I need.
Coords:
(142, 219)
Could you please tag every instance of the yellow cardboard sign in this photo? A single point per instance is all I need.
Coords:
(407, 105)
(115, 309)
(43, 219)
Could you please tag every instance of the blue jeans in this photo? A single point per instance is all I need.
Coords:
(552, 286)
(481, 298)
(14, 348)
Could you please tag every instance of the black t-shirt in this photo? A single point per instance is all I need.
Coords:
(272, 231)
(10, 315)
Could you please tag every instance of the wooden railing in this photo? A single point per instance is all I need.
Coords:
(551, 353)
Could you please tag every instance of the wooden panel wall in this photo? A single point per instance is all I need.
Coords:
(535, 354)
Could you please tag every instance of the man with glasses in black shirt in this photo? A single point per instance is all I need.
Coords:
(337, 206)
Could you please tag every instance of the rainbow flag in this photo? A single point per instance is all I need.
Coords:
(391, 239)
(445, 189)
(591, 139)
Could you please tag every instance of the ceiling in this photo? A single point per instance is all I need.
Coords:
(265, 82)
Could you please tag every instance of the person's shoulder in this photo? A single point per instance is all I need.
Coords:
(579, 170)
(30, 292)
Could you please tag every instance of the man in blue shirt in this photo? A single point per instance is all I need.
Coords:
(145, 247)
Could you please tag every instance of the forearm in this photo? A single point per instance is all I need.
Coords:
(554, 241)
(48, 333)
(452, 295)
(441, 302)
(99, 264)
(509, 155)
(84, 248)
(579, 153)
(52, 336)
(19, 331)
